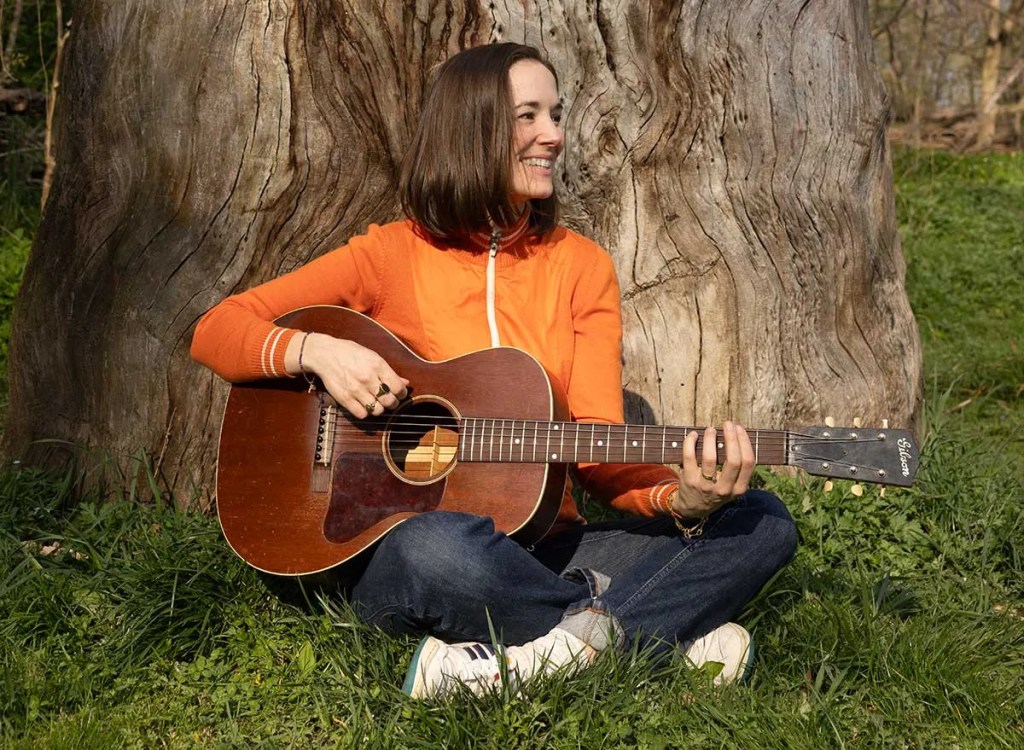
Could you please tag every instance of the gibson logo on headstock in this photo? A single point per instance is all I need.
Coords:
(904, 446)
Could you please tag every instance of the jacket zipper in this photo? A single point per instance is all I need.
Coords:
(492, 321)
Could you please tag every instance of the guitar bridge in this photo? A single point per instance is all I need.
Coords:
(320, 480)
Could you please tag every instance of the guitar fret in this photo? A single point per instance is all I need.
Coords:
(501, 440)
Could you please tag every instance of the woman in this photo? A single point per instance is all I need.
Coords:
(482, 262)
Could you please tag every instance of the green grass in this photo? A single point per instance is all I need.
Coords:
(899, 625)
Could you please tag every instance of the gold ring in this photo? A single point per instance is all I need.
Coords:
(383, 390)
(712, 478)
(369, 406)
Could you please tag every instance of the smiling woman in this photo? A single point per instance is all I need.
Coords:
(481, 262)
(538, 133)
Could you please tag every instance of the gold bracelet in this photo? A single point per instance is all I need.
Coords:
(690, 532)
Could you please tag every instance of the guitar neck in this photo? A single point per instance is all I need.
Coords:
(528, 441)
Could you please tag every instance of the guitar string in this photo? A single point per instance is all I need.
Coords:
(868, 474)
(598, 441)
(356, 438)
(565, 438)
(511, 425)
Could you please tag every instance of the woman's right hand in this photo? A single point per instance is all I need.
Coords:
(351, 373)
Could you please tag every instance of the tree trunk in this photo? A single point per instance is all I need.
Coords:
(731, 157)
(986, 118)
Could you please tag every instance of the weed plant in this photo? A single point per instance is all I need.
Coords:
(900, 624)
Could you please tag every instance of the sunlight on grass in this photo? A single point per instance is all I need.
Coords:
(899, 624)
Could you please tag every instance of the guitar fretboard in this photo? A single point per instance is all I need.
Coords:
(528, 441)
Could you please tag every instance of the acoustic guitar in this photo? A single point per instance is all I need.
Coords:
(303, 487)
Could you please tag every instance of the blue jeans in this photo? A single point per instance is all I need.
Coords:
(453, 576)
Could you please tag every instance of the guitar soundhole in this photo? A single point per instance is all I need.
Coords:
(423, 440)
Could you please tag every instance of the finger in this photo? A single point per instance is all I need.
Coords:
(395, 383)
(353, 407)
(388, 400)
(709, 453)
(371, 404)
(731, 461)
(747, 460)
(690, 470)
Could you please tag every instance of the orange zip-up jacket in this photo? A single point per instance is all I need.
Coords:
(556, 298)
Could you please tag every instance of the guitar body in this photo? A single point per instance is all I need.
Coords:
(286, 510)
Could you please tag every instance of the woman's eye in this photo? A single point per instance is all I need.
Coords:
(557, 118)
(526, 116)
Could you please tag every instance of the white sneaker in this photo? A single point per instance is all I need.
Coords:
(438, 668)
(729, 645)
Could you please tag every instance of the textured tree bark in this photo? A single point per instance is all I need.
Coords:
(732, 157)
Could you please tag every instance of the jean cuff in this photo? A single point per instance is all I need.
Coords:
(589, 620)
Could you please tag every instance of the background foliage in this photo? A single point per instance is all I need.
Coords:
(899, 624)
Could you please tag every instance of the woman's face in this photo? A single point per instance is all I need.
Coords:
(538, 133)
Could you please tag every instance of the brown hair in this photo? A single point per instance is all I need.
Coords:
(457, 173)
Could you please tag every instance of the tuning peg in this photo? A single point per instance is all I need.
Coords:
(881, 491)
(857, 490)
(828, 486)
(830, 421)
(885, 424)
(856, 421)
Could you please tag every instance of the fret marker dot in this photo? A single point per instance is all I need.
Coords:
(675, 444)
(517, 441)
(554, 455)
(600, 442)
(635, 444)
(555, 428)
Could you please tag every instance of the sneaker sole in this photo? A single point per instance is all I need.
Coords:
(748, 665)
(410, 686)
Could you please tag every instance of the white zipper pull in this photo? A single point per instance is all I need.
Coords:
(492, 321)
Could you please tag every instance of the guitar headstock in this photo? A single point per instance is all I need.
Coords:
(863, 454)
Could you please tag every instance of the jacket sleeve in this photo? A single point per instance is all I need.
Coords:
(237, 338)
(595, 393)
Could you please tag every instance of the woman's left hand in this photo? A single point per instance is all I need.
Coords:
(703, 489)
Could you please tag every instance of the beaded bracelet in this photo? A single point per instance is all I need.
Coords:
(309, 378)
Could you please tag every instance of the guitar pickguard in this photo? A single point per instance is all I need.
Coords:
(364, 491)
